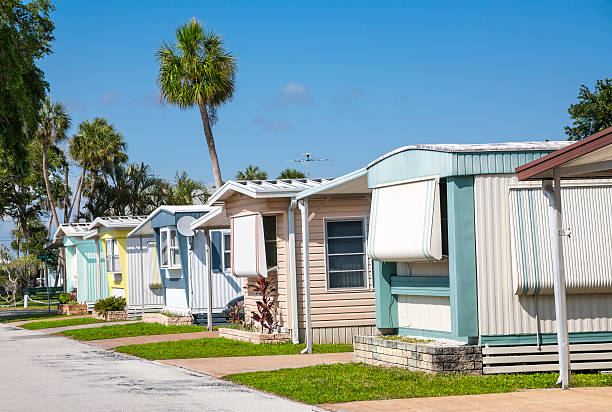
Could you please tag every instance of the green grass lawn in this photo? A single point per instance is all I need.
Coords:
(359, 382)
(130, 329)
(60, 323)
(221, 347)
(46, 315)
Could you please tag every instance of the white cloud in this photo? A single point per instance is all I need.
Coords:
(293, 93)
(109, 97)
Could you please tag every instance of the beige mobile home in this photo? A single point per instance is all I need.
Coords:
(341, 285)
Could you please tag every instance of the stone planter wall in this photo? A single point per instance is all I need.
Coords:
(71, 310)
(254, 337)
(113, 315)
(167, 320)
(418, 356)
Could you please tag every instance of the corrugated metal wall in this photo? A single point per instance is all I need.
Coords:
(500, 311)
(587, 211)
(152, 297)
(424, 312)
(225, 287)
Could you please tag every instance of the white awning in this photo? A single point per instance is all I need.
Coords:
(248, 246)
(405, 222)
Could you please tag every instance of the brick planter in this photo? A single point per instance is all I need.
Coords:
(70, 310)
(113, 315)
(167, 320)
(254, 337)
(418, 356)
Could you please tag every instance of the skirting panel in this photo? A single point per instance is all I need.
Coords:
(339, 334)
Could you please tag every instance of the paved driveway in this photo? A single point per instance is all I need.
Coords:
(49, 373)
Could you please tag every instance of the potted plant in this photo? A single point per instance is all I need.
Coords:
(69, 305)
(265, 332)
(111, 308)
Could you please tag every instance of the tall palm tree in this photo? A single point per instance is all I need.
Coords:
(251, 173)
(186, 191)
(291, 174)
(96, 147)
(198, 71)
(54, 123)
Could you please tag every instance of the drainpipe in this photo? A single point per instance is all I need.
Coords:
(142, 278)
(303, 205)
(552, 190)
(209, 314)
(295, 332)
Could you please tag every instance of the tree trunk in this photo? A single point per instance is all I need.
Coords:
(210, 141)
(77, 194)
(94, 182)
(49, 196)
(66, 200)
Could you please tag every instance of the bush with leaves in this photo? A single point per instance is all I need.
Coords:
(68, 298)
(265, 306)
(110, 304)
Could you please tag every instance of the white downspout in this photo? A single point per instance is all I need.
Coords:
(142, 277)
(209, 278)
(303, 205)
(552, 190)
(295, 332)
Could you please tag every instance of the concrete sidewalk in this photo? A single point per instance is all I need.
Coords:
(23, 322)
(573, 400)
(51, 331)
(218, 367)
(140, 340)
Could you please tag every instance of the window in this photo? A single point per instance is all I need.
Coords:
(113, 264)
(227, 252)
(269, 225)
(345, 253)
(170, 255)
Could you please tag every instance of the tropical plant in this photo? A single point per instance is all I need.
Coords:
(593, 112)
(291, 174)
(52, 128)
(265, 306)
(96, 147)
(14, 272)
(198, 71)
(109, 304)
(68, 298)
(185, 191)
(251, 173)
(235, 313)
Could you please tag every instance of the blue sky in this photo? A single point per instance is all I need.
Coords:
(345, 80)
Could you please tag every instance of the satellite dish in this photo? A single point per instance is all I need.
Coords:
(184, 225)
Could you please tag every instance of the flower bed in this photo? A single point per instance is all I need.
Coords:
(111, 315)
(71, 309)
(253, 337)
(167, 320)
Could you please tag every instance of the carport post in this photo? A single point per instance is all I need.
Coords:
(552, 190)
(209, 310)
(142, 278)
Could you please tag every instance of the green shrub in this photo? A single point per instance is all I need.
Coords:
(109, 304)
(64, 298)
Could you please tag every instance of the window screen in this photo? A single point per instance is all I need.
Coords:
(113, 265)
(269, 224)
(227, 251)
(345, 254)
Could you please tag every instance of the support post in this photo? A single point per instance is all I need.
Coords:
(142, 278)
(209, 314)
(552, 190)
(306, 260)
(98, 270)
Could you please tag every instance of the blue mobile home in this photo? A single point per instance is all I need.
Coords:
(85, 267)
(182, 262)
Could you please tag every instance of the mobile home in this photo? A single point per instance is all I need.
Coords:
(462, 250)
(267, 239)
(182, 260)
(85, 267)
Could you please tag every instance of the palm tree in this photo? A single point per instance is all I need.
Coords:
(198, 71)
(186, 190)
(54, 123)
(251, 173)
(96, 147)
(291, 174)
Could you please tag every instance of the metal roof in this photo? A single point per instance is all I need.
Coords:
(72, 230)
(480, 148)
(117, 221)
(215, 218)
(350, 183)
(590, 157)
(265, 188)
(144, 228)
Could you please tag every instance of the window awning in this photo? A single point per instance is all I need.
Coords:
(405, 222)
(248, 246)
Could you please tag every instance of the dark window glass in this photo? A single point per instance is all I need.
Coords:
(269, 224)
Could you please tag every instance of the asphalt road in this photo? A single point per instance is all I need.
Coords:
(41, 372)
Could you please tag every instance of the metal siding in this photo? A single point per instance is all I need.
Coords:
(225, 287)
(411, 164)
(134, 274)
(88, 267)
(500, 311)
(424, 312)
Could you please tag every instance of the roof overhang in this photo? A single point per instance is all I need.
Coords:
(216, 218)
(145, 228)
(77, 230)
(588, 158)
(116, 222)
(350, 183)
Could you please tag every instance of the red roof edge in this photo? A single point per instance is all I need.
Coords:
(569, 153)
